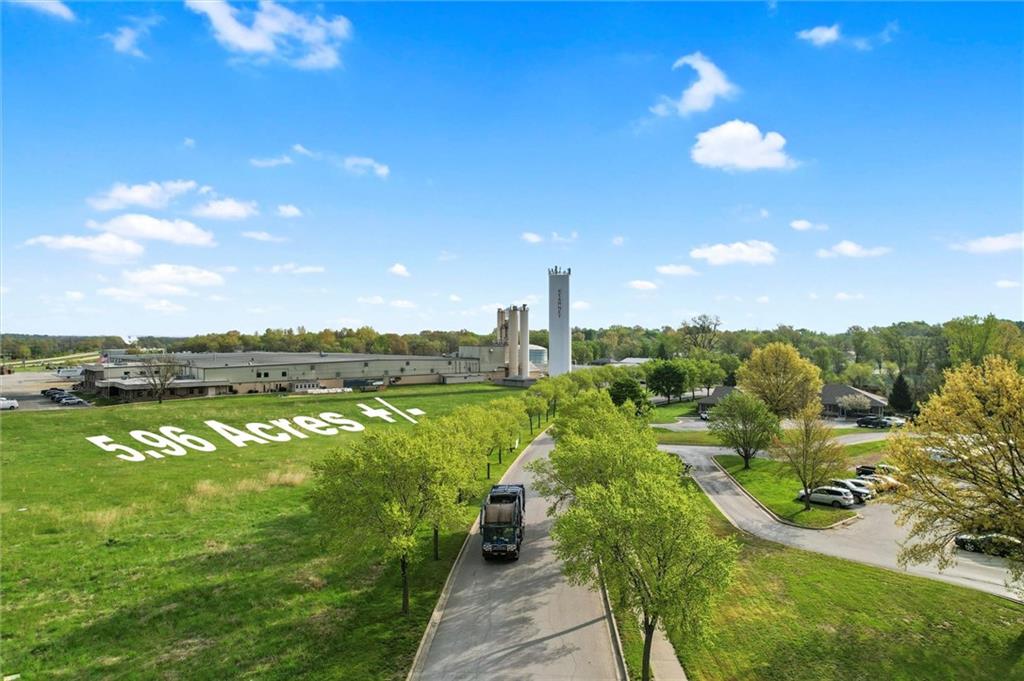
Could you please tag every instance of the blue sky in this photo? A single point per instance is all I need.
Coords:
(176, 168)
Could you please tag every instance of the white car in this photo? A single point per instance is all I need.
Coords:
(830, 496)
(8, 404)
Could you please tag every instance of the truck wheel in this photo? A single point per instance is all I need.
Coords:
(515, 556)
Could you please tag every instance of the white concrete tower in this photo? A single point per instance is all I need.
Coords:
(559, 330)
(513, 342)
(524, 342)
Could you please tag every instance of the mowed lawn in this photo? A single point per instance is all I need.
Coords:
(204, 566)
(706, 437)
(791, 615)
(668, 413)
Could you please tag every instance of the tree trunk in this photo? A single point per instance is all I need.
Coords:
(807, 499)
(437, 550)
(746, 461)
(649, 628)
(405, 585)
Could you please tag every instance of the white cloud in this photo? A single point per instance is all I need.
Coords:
(738, 145)
(370, 300)
(581, 305)
(305, 42)
(102, 247)
(843, 296)
(618, 240)
(74, 295)
(139, 226)
(226, 209)
(676, 270)
(762, 300)
(806, 225)
(399, 270)
(711, 84)
(751, 252)
(264, 236)
(164, 306)
(126, 38)
(299, 149)
(455, 298)
(189, 143)
(282, 160)
(402, 304)
(849, 249)
(820, 36)
(1014, 241)
(531, 237)
(360, 165)
(288, 210)
(292, 268)
(167, 279)
(54, 8)
(559, 239)
(1007, 283)
(642, 285)
(149, 195)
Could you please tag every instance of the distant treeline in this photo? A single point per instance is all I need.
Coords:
(869, 358)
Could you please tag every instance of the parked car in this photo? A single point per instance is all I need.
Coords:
(65, 398)
(836, 497)
(887, 469)
(57, 395)
(73, 402)
(872, 422)
(883, 483)
(895, 421)
(992, 543)
(865, 469)
(8, 404)
(50, 392)
(705, 415)
(858, 488)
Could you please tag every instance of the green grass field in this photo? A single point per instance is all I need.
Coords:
(203, 566)
(791, 615)
(668, 413)
(704, 437)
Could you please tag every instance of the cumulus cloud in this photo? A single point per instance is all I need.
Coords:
(562, 239)
(370, 300)
(454, 297)
(807, 225)
(168, 279)
(273, 162)
(738, 145)
(531, 237)
(849, 249)
(149, 195)
(361, 165)
(274, 31)
(618, 240)
(711, 84)
(299, 149)
(226, 209)
(399, 270)
(102, 247)
(843, 296)
(1007, 283)
(642, 285)
(292, 268)
(676, 270)
(402, 304)
(1014, 241)
(264, 236)
(54, 8)
(751, 252)
(139, 226)
(126, 38)
(820, 36)
(288, 210)
(581, 305)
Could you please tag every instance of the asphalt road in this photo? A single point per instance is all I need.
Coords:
(520, 620)
(873, 540)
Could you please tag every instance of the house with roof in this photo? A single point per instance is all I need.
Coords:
(830, 396)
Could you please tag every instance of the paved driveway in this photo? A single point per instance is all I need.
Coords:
(874, 540)
(520, 620)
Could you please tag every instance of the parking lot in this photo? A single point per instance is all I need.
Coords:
(26, 386)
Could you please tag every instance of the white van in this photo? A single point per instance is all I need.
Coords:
(8, 404)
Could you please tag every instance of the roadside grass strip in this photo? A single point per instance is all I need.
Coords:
(668, 413)
(207, 565)
(792, 615)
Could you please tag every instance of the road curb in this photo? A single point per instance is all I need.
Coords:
(772, 513)
(427, 639)
(620, 654)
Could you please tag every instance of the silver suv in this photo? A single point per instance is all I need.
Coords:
(836, 497)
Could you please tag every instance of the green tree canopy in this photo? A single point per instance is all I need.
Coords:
(745, 423)
(784, 380)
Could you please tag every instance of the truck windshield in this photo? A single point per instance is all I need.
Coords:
(506, 533)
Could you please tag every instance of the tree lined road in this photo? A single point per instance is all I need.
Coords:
(520, 620)
(874, 540)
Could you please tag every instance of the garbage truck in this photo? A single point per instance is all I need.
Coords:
(503, 520)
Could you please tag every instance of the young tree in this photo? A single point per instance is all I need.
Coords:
(388, 487)
(666, 378)
(963, 462)
(809, 451)
(626, 388)
(535, 407)
(159, 371)
(653, 546)
(854, 404)
(709, 374)
(900, 398)
(784, 380)
(745, 423)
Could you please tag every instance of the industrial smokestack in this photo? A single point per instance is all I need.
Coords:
(513, 342)
(559, 331)
(524, 342)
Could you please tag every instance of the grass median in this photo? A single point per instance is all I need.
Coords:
(208, 565)
(792, 615)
